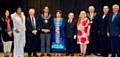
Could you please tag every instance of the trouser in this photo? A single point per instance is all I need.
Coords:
(32, 44)
(93, 46)
(7, 48)
(115, 45)
(104, 45)
(70, 45)
(19, 44)
(45, 42)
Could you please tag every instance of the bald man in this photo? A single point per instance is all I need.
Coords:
(31, 32)
(113, 30)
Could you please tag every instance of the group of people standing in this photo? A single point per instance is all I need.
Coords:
(91, 30)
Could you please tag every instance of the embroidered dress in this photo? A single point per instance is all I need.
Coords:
(58, 38)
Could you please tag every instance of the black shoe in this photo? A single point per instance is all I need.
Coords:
(72, 54)
(29, 56)
(35, 55)
(105, 55)
(67, 54)
(42, 55)
(48, 55)
(88, 53)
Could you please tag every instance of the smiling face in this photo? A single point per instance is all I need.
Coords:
(105, 9)
(46, 9)
(82, 14)
(58, 15)
(7, 13)
(91, 9)
(115, 8)
(19, 10)
(32, 12)
(71, 15)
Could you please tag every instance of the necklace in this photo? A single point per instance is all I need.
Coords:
(46, 17)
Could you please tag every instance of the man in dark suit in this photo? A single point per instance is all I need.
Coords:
(93, 17)
(0, 32)
(113, 30)
(31, 32)
(102, 30)
(70, 31)
(0, 37)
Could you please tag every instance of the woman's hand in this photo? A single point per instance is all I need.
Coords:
(9, 33)
(45, 30)
(57, 30)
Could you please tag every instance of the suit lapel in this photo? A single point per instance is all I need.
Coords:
(88, 15)
(111, 18)
(30, 21)
(115, 17)
(105, 17)
(73, 21)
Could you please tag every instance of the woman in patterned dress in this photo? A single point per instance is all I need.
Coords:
(83, 28)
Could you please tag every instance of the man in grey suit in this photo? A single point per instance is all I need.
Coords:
(113, 30)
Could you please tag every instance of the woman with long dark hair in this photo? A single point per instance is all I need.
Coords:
(7, 33)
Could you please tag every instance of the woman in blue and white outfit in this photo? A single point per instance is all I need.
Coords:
(58, 35)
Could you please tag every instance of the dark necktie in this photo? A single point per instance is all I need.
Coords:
(69, 21)
(33, 24)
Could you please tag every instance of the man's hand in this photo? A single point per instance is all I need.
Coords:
(108, 34)
(45, 30)
(17, 30)
(119, 35)
(57, 30)
(34, 32)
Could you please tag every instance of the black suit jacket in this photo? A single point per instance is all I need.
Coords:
(29, 27)
(0, 33)
(94, 25)
(5, 35)
(71, 28)
(103, 23)
(114, 26)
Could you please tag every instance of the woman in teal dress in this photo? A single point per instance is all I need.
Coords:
(58, 36)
